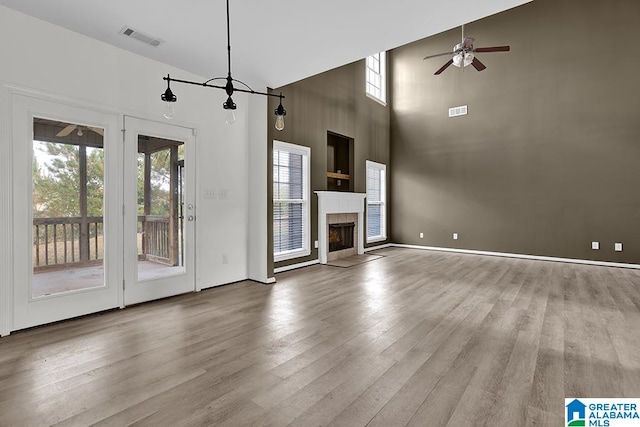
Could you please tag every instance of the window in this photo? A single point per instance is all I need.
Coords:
(377, 77)
(290, 201)
(376, 202)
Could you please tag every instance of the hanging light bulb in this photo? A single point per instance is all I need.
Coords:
(280, 113)
(231, 117)
(80, 133)
(169, 98)
(230, 107)
(169, 111)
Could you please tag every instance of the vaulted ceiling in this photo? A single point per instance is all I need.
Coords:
(273, 42)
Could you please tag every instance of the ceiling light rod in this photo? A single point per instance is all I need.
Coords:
(228, 105)
(235, 89)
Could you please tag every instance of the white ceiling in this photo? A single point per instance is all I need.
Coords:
(273, 42)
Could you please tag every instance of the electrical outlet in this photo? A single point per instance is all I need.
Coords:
(225, 258)
(617, 247)
(422, 235)
(223, 194)
(595, 245)
(455, 236)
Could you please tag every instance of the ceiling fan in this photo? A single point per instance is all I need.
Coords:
(463, 54)
(70, 128)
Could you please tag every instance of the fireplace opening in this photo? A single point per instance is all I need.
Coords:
(341, 236)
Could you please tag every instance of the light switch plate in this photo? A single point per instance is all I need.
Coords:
(617, 247)
(455, 236)
(422, 235)
(595, 245)
(209, 193)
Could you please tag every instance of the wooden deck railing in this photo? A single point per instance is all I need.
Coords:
(73, 241)
(61, 242)
(155, 238)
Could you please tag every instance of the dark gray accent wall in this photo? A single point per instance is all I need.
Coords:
(548, 158)
(333, 101)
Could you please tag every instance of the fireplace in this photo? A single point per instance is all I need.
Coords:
(340, 208)
(341, 236)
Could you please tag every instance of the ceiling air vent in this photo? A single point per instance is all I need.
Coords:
(458, 111)
(137, 35)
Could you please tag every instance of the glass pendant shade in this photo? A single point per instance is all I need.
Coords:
(280, 122)
(169, 111)
(280, 112)
(231, 117)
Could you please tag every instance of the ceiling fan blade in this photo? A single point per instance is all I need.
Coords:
(493, 49)
(67, 130)
(437, 55)
(444, 67)
(99, 131)
(477, 64)
(468, 42)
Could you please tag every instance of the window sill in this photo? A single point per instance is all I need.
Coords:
(378, 100)
(376, 239)
(284, 256)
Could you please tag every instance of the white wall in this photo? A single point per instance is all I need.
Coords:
(258, 191)
(39, 56)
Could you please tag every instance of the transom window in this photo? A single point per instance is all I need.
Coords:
(290, 201)
(376, 201)
(376, 79)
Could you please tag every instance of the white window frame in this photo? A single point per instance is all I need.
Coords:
(382, 169)
(381, 58)
(306, 210)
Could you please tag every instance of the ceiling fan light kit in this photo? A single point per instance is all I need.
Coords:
(229, 106)
(463, 54)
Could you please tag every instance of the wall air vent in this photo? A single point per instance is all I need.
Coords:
(458, 111)
(137, 35)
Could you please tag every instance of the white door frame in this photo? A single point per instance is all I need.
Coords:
(27, 311)
(140, 291)
(6, 224)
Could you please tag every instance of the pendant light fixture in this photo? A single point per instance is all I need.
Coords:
(229, 106)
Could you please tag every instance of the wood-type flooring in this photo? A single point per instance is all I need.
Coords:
(415, 338)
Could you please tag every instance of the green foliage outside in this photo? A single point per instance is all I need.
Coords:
(56, 181)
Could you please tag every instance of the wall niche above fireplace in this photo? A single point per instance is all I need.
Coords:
(339, 162)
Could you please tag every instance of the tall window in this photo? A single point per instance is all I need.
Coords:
(290, 201)
(376, 77)
(376, 201)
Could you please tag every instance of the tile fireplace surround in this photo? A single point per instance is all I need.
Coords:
(338, 202)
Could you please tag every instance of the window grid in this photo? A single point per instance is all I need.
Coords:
(375, 76)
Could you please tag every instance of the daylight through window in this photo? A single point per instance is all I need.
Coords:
(376, 201)
(290, 201)
(376, 77)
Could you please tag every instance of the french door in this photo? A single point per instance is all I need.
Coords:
(159, 210)
(66, 211)
(98, 223)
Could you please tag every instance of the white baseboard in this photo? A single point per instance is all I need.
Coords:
(294, 266)
(521, 256)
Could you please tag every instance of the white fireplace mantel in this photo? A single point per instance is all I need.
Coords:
(338, 202)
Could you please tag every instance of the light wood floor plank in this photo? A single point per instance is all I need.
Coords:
(414, 338)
